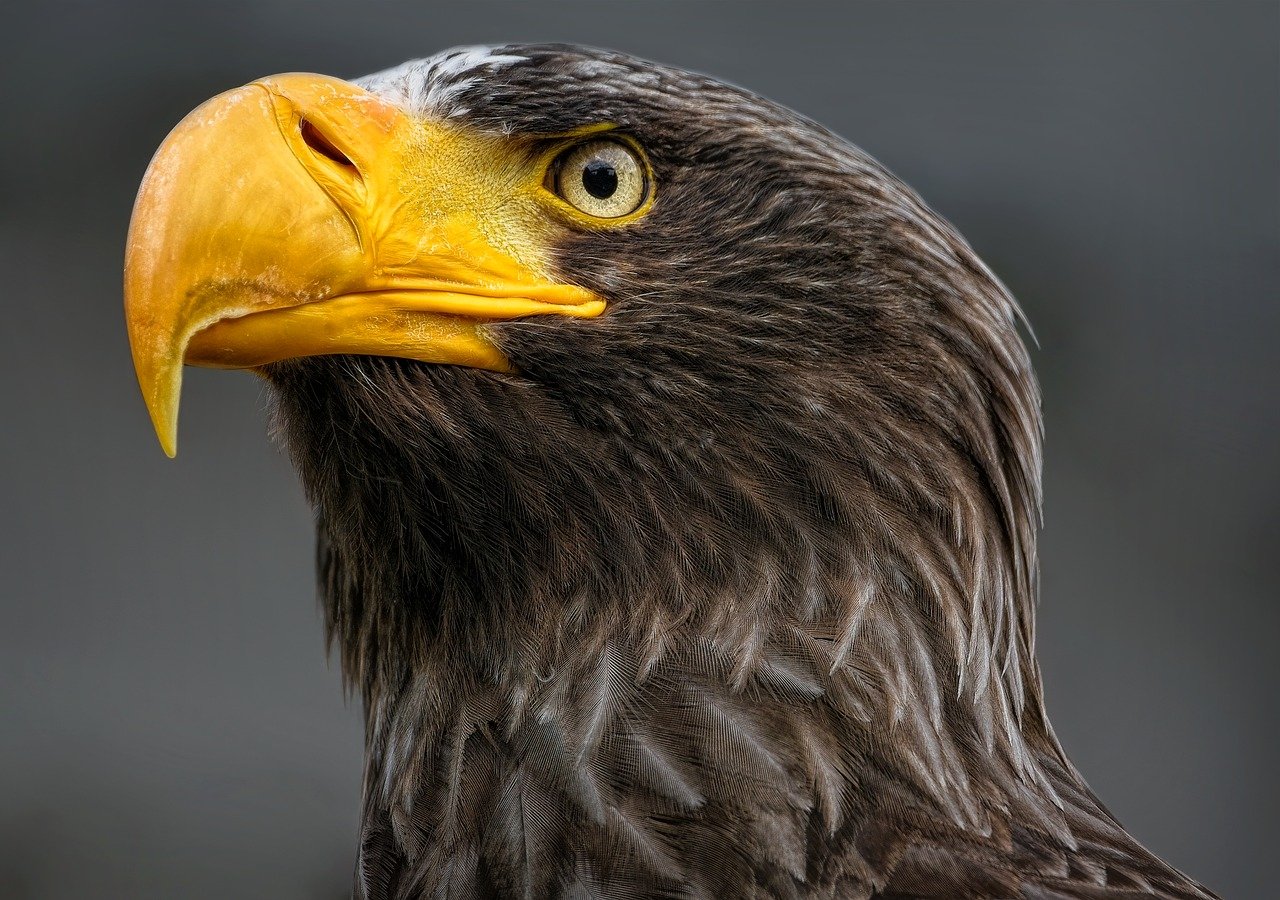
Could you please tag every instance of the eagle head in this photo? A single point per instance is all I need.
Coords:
(676, 472)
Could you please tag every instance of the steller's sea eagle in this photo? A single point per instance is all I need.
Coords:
(676, 473)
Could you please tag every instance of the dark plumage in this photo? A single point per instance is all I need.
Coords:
(728, 592)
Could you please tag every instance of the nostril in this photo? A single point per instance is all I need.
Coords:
(314, 138)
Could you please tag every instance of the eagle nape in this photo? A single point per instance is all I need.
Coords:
(677, 479)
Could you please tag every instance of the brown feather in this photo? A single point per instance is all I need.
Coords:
(728, 593)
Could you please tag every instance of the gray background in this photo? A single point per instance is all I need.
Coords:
(169, 726)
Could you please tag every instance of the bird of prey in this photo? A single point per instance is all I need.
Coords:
(677, 480)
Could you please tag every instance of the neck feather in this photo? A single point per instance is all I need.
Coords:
(543, 681)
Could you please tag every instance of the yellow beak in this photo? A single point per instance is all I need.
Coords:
(302, 215)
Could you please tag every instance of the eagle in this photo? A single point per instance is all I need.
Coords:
(676, 473)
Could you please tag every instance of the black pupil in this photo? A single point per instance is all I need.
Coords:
(600, 179)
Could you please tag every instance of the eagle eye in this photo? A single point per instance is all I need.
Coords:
(602, 178)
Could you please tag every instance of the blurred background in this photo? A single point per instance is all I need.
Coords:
(169, 725)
